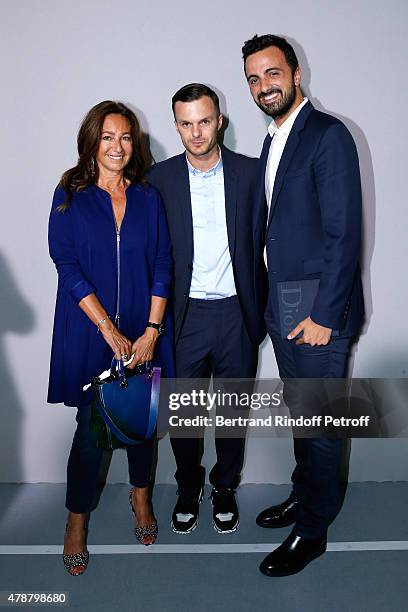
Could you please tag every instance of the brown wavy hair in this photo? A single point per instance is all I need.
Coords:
(86, 172)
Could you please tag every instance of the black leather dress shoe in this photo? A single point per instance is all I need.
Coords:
(281, 515)
(292, 556)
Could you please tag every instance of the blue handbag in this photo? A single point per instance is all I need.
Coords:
(125, 405)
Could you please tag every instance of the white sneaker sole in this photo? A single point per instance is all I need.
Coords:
(222, 531)
(184, 532)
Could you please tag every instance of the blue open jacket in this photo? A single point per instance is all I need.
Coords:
(82, 244)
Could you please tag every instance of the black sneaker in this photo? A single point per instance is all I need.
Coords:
(185, 513)
(225, 510)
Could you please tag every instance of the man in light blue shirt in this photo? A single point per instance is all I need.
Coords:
(218, 288)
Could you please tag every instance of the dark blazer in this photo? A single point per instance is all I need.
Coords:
(314, 224)
(171, 178)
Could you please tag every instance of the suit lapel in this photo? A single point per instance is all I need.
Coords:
(182, 186)
(231, 196)
(261, 199)
(288, 152)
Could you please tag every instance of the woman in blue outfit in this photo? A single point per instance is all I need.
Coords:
(99, 204)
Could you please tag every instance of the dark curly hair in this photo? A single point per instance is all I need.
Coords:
(258, 43)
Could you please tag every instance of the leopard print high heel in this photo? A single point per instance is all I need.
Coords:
(145, 531)
(76, 560)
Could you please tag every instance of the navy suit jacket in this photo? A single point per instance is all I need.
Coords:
(314, 225)
(171, 178)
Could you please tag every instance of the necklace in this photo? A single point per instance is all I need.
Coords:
(122, 183)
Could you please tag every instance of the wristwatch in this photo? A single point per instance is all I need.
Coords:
(158, 326)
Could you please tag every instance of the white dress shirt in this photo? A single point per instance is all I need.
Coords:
(279, 137)
(212, 276)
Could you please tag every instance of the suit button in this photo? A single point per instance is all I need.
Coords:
(189, 266)
(185, 294)
(272, 239)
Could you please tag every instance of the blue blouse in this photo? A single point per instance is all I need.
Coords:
(82, 244)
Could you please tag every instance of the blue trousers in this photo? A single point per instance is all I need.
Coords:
(85, 460)
(316, 478)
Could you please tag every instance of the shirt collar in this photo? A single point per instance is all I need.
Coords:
(211, 172)
(287, 125)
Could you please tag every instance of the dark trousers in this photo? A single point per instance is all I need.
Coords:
(85, 460)
(213, 341)
(316, 478)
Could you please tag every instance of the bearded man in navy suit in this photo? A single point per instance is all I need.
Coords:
(310, 195)
(218, 289)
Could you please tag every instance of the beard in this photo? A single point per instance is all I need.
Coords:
(282, 104)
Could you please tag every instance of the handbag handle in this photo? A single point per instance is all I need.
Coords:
(141, 368)
(118, 367)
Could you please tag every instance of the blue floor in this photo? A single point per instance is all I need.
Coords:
(354, 581)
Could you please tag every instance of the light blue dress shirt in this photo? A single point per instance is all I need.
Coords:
(212, 276)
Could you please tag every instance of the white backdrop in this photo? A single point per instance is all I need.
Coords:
(58, 58)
